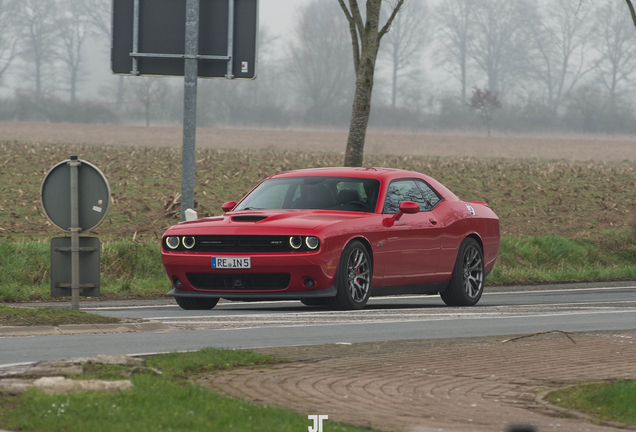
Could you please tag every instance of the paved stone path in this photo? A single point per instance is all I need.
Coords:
(476, 384)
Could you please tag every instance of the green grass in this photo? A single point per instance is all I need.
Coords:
(134, 269)
(614, 402)
(550, 258)
(44, 316)
(167, 402)
(129, 270)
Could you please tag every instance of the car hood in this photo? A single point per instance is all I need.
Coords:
(290, 219)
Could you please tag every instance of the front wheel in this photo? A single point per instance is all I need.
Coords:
(467, 282)
(354, 278)
(194, 303)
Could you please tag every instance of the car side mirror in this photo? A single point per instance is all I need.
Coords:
(408, 207)
(228, 206)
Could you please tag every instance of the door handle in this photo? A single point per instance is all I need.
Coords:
(433, 221)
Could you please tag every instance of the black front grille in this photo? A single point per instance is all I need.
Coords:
(238, 282)
(241, 244)
(237, 243)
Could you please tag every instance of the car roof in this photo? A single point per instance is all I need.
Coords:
(383, 174)
(360, 172)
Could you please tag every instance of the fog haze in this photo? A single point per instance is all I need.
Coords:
(559, 66)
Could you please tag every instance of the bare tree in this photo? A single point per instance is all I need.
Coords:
(559, 37)
(485, 102)
(455, 26)
(498, 46)
(406, 41)
(73, 30)
(36, 18)
(318, 58)
(149, 91)
(8, 34)
(98, 13)
(615, 41)
(366, 35)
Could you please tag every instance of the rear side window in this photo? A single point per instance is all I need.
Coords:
(410, 190)
(431, 199)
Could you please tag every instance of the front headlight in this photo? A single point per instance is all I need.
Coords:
(172, 242)
(295, 242)
(188, 242)
(312, 242)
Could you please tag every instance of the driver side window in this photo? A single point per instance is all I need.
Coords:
(403, 190)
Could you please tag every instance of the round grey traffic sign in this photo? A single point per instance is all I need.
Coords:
(93, 195)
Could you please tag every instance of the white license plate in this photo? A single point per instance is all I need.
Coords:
(231, 262)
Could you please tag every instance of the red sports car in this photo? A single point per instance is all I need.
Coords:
(335, 236)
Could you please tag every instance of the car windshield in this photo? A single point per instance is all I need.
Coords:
(325, 193)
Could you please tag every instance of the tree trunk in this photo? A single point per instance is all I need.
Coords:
(360, 115)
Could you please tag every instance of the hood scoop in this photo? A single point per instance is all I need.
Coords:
(248, 218)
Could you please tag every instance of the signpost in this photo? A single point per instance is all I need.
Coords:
(189, 38)
(75, 196)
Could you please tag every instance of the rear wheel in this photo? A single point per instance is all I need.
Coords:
(467, 283)
(193, 303)
(354, 278)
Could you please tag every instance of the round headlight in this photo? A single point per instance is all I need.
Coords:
(188, 242)
(172, 242)
(295, 242)
(312, 242)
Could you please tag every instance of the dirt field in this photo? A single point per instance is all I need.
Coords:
(569, 148)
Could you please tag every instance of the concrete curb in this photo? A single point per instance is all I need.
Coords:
(21, 331)
(540, 398)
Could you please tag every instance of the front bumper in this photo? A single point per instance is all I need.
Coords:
(299, 267)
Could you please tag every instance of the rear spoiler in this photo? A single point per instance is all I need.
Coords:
(477, 202)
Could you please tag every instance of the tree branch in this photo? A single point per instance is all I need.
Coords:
(357, 16)
(354, 36)
(387, 26)
(541, 333)
(631, 10)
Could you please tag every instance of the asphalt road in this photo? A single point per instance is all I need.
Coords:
(509, 311)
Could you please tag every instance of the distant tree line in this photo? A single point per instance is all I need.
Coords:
(555, 65)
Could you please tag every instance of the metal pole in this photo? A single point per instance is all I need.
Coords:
(191, 73)
(135, 66)
(230, 39)
(75, 229)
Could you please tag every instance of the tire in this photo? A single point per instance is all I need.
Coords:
(467, 282)
(353, 279)
(315, 301)
(193, 303)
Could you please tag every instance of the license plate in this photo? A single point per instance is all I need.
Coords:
(231, 262)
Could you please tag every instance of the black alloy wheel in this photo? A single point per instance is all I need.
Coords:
(355, 272)
(467, 282)
(194, 303)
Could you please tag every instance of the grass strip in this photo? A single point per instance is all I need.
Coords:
(45, 316)
(134, 270)
(166, 402)
(613, 402)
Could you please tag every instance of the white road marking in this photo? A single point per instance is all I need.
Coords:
(374, 299)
